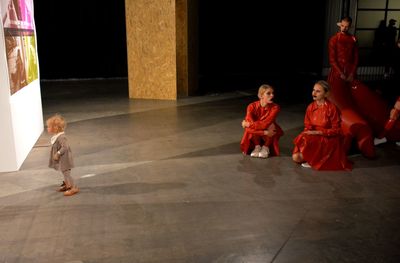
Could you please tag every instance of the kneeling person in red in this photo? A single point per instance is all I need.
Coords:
(320, 145)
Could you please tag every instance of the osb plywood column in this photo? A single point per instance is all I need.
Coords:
(151, 42)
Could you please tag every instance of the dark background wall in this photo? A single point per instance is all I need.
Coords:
(81, 39)
(241, 43)
(246, 43)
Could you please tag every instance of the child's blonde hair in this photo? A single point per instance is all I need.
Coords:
(263, 88)
(57, 122)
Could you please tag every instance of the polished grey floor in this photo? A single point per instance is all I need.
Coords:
(164, 181)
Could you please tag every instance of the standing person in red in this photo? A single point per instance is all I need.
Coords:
(343, 54)
(343, 58)
(261, 132)
(320, 145)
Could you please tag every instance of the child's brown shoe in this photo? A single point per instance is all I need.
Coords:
(71, 191)
(63, 188)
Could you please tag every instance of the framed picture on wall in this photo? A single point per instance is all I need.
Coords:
(17, 19)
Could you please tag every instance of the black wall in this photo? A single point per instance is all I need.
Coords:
(240, 42)
(252, 42)
(81, 38)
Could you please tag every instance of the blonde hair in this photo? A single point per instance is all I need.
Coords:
(263, 88)
(57, 122)
(324, 85)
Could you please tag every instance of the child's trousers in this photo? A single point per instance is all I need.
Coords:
(68, 178)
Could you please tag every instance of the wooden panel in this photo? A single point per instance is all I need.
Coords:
(151, 42)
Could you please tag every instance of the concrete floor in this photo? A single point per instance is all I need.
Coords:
(164, 181)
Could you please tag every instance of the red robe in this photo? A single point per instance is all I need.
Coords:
(260, 119)
(343, 58)
(343, 55)
(326, 151)
(392, 126)
(375, 111)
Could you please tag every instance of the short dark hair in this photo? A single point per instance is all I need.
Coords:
(347, 19)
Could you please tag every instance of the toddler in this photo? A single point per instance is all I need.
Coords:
(60, 154)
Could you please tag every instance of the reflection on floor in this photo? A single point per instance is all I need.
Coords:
(164, 181)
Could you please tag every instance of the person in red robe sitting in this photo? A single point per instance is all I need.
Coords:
(320, 145)
(261, 132)
(391, 129)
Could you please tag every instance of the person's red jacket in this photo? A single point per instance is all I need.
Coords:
(260, 119)
(325, 151)
(343, 54)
